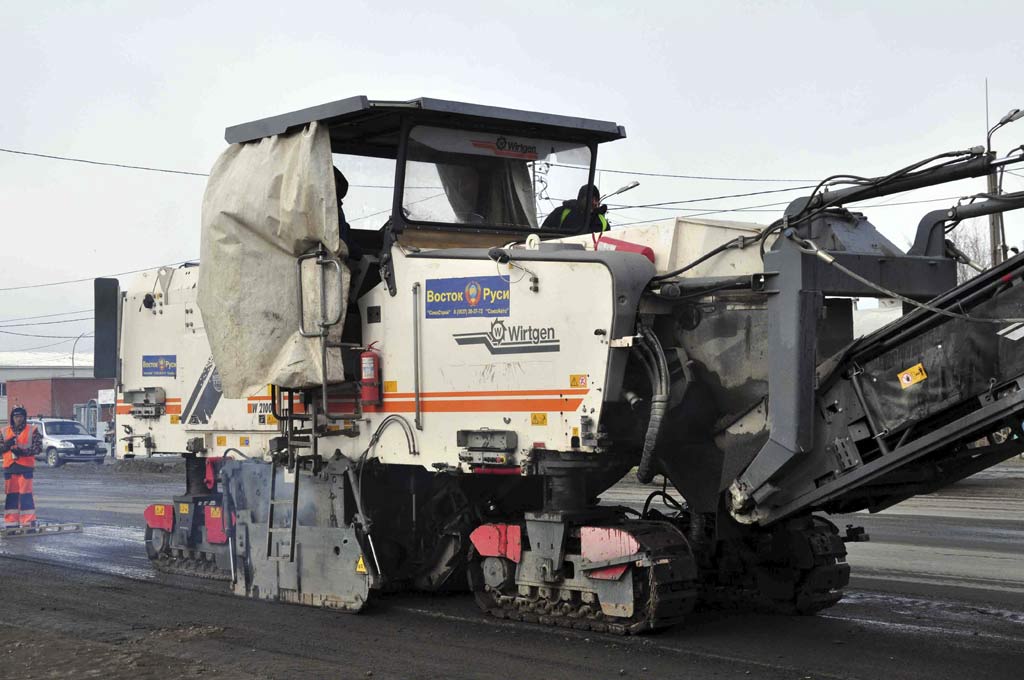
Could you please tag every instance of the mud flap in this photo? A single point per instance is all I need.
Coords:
(328, 570)
(327, 566)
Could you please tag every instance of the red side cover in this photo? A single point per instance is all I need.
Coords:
(607, 243)
(598, 544)
(498, 540)
(211, 473)
(160, 519)
(213, 515)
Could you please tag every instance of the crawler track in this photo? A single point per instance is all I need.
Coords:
(670, 603)
(191, 562)
(198, 565)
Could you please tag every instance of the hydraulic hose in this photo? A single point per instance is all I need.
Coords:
(659, 402)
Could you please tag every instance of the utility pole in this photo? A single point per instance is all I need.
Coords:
(996, 235)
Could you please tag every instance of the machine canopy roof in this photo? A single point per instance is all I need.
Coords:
(362, 126)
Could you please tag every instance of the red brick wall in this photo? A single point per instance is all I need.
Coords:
(54, 397)
(34, 395)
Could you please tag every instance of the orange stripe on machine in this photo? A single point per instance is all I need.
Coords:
(478, 406)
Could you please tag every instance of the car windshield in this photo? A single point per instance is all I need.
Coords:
(489, 179)
(65, 427)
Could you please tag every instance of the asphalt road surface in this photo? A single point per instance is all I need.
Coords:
(937, 593)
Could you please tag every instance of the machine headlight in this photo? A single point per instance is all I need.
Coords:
(66, 445)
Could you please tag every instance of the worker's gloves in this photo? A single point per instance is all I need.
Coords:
(9, 444)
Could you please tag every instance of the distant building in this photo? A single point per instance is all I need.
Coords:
(34, 365)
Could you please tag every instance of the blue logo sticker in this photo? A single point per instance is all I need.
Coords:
(160, 365)
(469, 297)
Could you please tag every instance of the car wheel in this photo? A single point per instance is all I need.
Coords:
(53, 458)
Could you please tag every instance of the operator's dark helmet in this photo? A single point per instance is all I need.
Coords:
(18, 410)
(340, 184)
(581, 197)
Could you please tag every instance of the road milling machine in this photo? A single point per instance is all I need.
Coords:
(457, 388)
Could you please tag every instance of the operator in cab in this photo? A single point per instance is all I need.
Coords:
(568, 218)
(344, 228)
(21, 443)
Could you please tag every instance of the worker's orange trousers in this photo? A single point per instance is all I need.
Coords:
(19, 506)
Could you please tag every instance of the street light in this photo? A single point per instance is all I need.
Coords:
(621, 190)
(73, 347)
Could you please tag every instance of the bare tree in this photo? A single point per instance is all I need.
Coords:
(971, 237)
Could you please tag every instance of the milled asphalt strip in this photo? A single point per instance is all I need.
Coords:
(638, 642)
(959, 581)
(643, 643)
(924, 630)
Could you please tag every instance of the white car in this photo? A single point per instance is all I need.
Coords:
(66, 441)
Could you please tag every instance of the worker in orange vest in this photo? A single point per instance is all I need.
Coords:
(21, 443)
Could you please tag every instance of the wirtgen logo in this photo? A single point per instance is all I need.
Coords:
(503, 146)
(513, 339)
(512, 145)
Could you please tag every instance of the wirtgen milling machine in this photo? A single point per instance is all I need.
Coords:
(453, 402)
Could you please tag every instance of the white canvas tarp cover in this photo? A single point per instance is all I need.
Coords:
(267, 203)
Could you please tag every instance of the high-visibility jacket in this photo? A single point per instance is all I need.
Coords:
(23, 441)
(602, 220)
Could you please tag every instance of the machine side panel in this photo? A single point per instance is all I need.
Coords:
(496, 351)
(170, 390)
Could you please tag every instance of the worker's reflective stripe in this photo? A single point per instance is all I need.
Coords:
(22, 441)
(19, 505)
(600, 218)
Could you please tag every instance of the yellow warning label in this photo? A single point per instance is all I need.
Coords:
(578, 380)
(183, 508)
(575, 431)
(390, 385)
(215, 513)
(538, 419)
(271, 420)
(175, 420)
(912, 376)
(243, 441)
(222, 440)
(158, 511)
(360, 566)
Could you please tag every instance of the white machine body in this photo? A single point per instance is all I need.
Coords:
(169, 390)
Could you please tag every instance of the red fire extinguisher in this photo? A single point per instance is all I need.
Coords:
(369, 380)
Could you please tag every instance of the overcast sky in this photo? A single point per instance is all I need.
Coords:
(763, 90)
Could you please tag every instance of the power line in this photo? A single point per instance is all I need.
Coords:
(672, 176)
(718, 198)
(90, 278)
(109, 165)
(31, 349)
(164, 170)
(45, 316)
(381, 212)
(754, 208)
(47, 323)
(170, 171)
(34, 335)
